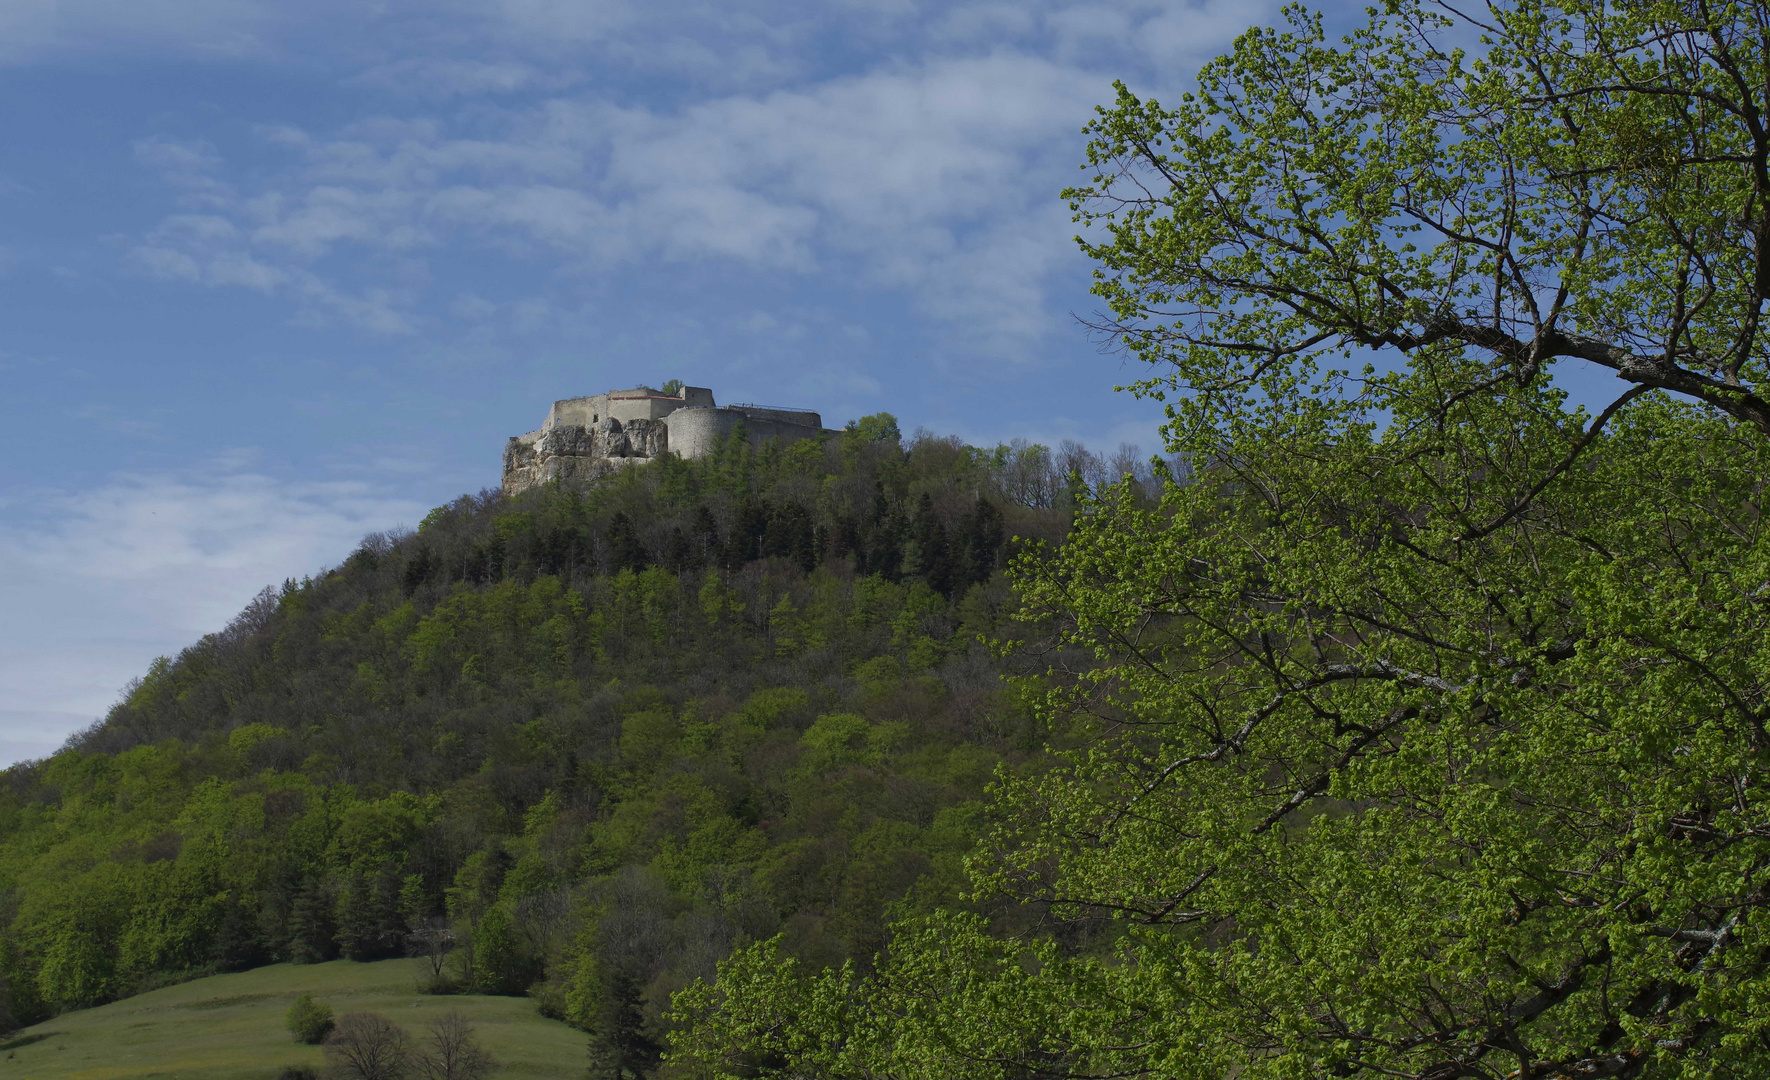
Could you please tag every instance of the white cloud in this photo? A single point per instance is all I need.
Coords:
(569, 20)
(937, 179)
(750, 44)
(445, 49)
(935, 174)
(165, 263)
(187, 160)
(1189, 33)
(215, 249)
(97, 583)
(32, 29)
(989, 22)
(911, 147)
(471, 308)
(329, 214)
(448, 77)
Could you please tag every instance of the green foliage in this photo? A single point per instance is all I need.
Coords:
(951, 1000)
(879, 427)
(499, 965)
(1423, 735)
(243, 740)
(671, 387)
(309, 1021)
(541, 740)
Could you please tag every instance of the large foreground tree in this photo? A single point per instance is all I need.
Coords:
(1428, 736)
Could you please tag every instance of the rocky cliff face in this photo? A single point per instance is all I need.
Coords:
(571, 453)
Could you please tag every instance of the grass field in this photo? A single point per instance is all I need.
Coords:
(230, 1027)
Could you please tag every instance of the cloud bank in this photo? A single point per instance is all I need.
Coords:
(97, 583)
(936, 179)
(898, 146)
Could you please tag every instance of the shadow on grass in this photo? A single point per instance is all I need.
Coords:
(26, 1040)
(224, 1002)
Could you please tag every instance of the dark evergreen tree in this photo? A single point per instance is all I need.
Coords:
(704, 535)
(355, 920)
(625, 551)
(418, 570)
(791, 534)
(844, 540)
(884, 543)
(310, 925)
(980, 537)
(679, 555)
(619, 1046)
(8, 1022)
(933, 560)
(748, 530)
(238, 945)
(24, 1004)
(389, 922)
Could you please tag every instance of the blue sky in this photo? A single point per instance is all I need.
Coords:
(275, 275)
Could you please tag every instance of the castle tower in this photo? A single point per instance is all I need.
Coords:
(585, 438)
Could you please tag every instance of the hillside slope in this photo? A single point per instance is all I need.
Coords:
(573, 740)
(230, 1027)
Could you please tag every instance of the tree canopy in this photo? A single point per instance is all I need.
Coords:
(1425, 736)
(568, 743)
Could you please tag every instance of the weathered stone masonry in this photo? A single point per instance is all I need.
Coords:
(584, 438)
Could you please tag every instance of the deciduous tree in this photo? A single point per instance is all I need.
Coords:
(450, 1052)
(1427, 738)
(368, 1046)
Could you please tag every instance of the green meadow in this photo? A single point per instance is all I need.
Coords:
(230, 1027)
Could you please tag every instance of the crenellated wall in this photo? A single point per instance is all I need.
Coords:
(586, 437)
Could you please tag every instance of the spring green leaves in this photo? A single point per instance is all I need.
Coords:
(1424, 731)
(1585, 182)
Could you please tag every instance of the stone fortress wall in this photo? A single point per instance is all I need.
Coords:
(586, 437)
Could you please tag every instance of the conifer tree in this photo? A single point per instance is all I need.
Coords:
(626, 550)
(619, 1047)
(933, 557)
(355, 920)
(310, 925)
(981, 533)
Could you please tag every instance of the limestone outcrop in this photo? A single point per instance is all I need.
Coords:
(573, 452)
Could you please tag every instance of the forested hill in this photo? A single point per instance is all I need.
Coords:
(576, 741)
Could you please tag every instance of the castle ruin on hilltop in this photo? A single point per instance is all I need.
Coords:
(587, 437)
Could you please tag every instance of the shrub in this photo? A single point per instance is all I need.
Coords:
(550, 1000)
(437, 982)
(297, 1072)
(309, 1021)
